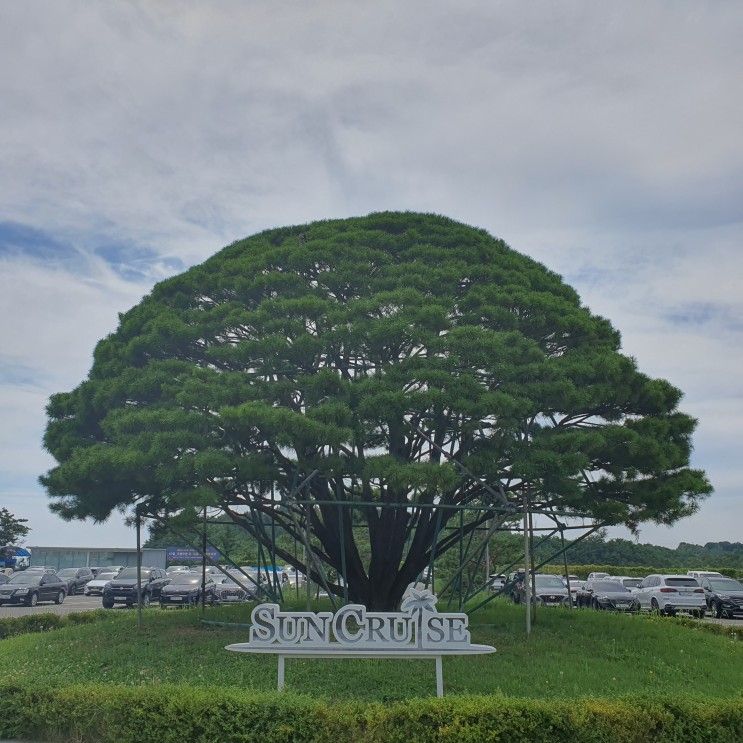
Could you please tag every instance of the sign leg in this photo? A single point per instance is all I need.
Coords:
(280, 685)
(439, 677)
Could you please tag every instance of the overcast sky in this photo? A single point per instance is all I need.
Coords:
(603, 139)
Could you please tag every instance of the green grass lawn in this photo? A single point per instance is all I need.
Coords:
(570, 654)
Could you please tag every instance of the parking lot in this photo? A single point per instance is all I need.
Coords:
(71, 604)
(88, 603)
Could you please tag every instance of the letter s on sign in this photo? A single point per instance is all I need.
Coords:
(436, 629)
(264, 624)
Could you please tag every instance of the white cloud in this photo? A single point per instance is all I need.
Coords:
(605, 141)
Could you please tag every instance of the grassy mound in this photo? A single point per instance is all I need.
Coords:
(571, 654)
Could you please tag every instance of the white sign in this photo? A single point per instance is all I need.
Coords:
(417, 630)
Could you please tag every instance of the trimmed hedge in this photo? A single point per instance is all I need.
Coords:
(10, 626)
(638, 571)
(174, 714)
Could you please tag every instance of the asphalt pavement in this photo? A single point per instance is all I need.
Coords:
(71, 604)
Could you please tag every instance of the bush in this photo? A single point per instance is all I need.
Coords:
(180, 713)
(10, 626)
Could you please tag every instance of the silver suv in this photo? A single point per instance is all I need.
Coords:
(668, 594)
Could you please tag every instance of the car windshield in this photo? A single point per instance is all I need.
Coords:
(185, 579)
(105, 576)
(549, 581)
(631, 582)
(26, 579)
(132, 573)
(725, 584)
(690, 582)
(68, 573)
(608, 585)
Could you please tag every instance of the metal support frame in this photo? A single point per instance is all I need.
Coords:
(497, 514)
(138, 520)
(559, 552)
(205, 554)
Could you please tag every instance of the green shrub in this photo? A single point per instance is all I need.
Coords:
(173, 714)
(10, 626)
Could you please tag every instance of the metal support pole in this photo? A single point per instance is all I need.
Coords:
(275, 575)
(487, 554)
(439, 677)
(461, 555)
(565, 561)
(138, 520)
(430, 576)
(344, 569)
(533, 572)
(280, 683)
(308, 584)
(203, 564)
(527, 564)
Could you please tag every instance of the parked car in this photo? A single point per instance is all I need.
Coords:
(30, 587)
(627, 581)
(253, 589)
(704, 574)
(611, 595)
(41, 569)
(584, 594)
(234, 590)
(95, 587)
(76, 579)
(184, 589)
(123, 588)
(549, 590)
(596, 576)
(177, 569)
(668, 594)
(724, 596)
(575, 585)
(106, 569)
(496, 582)
(296, 578)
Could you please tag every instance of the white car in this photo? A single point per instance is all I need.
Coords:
(630, 583)
(496, 581)
(596, 576)
(704, 574)
(95, 587)
(668, 594)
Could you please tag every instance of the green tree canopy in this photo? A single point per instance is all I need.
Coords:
(384, 354)
(12, 529)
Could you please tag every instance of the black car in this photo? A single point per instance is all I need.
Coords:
(549, 590)
(30, 587)
(123, 589)
(76, 579)
(184, 589)
(609, 595)
(724, 596)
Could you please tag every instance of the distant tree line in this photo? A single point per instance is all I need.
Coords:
(599, 550)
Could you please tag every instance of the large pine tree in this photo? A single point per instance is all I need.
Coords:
(381, 353)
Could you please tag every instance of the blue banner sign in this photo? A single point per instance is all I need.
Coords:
(189, 554)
